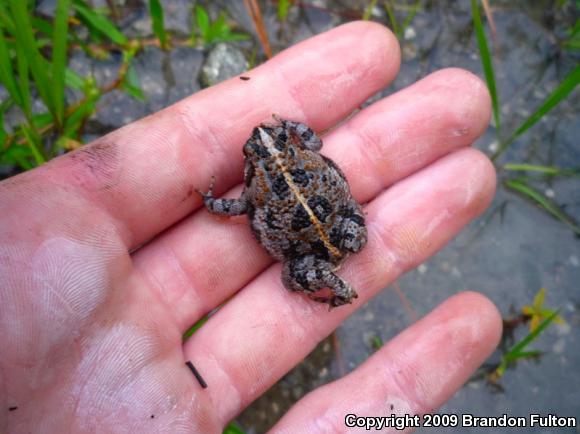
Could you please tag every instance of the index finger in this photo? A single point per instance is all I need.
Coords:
(143, 176)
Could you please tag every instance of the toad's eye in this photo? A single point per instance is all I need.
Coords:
(307, 135)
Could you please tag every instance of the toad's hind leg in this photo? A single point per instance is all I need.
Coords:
(230, 207)
(309, 274)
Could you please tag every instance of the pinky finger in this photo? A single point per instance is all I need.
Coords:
(413, 374)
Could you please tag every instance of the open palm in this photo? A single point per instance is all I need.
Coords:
(107, 255)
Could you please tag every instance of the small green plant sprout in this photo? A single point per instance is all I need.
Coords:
(519, 351)
(537, 312)
(283, 9)
(233, 428)
(572, 42)
(539, 318)
(377, 343)
(397, 28)
(209, 32)
(369, 10)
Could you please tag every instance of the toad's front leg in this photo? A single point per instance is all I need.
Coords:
(229, 207)
(310, 274)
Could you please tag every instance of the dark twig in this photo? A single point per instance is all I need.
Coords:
(197, 375)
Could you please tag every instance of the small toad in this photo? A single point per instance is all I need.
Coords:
(300, 208)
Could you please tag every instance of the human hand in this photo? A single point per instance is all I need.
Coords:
(107, 256)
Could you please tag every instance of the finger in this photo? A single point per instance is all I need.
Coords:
(145, 174)
(413, 374)
(265, 330)
(205, 259)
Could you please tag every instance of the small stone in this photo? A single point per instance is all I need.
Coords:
(410, 33)
(422, 269)
(410, 51)
(369, 316)
(223, 61)
(574, 261)
(549, 193)
(377, 12)
(493, 146)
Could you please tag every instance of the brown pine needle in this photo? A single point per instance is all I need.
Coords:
(488, 14)
(338, 355)
(256, 15)
(406, 303)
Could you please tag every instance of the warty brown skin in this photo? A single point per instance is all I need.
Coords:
(300, 209)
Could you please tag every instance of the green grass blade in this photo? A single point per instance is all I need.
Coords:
(41, 120)
(156, 12)
(202, 19)
(233, 428)
(6, 71)
(5, 105)
(76, 119)
(573, 40)
(59, 44)
(523, 355)
(235, 37)
(26, 43)
(33, 142)
(73, 80)
(194, 328)
(521, 345)
(486, 61)
(43, 25)
(545, 203)
(393, 19)
(369, 10)
(283, 8)
(546, 170)
(5, 18)
(24, 83)
(560, 93)
(100, 23)
(16, 155)
(377, 343)
(131, 84)
(410, 16)
(532, 168)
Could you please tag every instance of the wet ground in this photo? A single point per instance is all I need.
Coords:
(508, 254)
